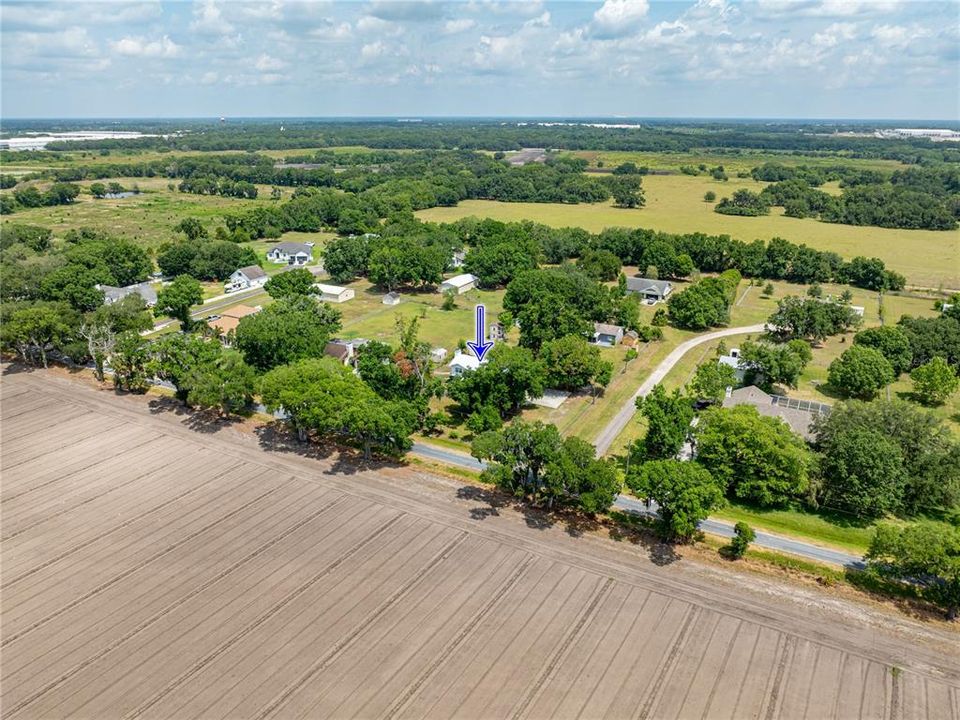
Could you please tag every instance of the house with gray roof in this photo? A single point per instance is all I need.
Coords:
(245, 278)
(290, 253)
(607, 335)
(798, 414)
(652, 291)
(113, 294)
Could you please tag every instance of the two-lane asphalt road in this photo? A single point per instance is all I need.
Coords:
(632, 505)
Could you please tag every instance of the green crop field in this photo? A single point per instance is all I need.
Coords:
(675, 204)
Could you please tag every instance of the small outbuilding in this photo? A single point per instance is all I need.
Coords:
(339, 350)
(459, 283)
(391, 298)
(334, 293)
(607, 335)
(734, 361)
(438, 354)
(246, 278)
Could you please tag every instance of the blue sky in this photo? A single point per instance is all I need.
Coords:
(710, 58)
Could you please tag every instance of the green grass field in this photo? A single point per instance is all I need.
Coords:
(675, 204)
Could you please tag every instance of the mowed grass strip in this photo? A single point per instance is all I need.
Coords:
(675, 204)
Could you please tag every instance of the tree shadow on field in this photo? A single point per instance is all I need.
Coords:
(277, 437)
(618, 526)
(202, 421)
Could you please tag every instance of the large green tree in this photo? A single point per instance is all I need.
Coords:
(925, 552)
(290, 329)
(325, 397)
(178, 298)
(756, 458)
(935, 381)
(685, 493)
(571, 362)
(668, 417)
(892, 342)
(768, 364)
(860, 372)
(711, 380)
(296, 281)
(505, 381)
(930, 456)
(863, 473)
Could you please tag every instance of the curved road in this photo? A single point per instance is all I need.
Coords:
(628, 504)
(606, 437)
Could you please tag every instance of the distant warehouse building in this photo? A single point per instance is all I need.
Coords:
(334, 293)
(459, 284)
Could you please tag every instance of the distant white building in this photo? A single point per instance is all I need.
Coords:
(290, 253)
(456, 260)
(462, 362)
(459, 283)
(334, 293)
(245, 278)
(438, 354)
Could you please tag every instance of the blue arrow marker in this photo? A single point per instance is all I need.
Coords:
(480, 347)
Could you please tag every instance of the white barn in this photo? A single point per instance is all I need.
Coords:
(459, 283)
(334, 293)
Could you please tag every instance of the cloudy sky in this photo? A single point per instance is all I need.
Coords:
(710, 58)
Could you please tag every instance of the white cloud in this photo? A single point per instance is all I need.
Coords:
(372, 51)
(616, 18)
(371, 24)
(451, 27)
(331, 31)
(776, 9)
(141, 47)
(834, 35)
(266, 63)
(541, 21)
(399, 10)
(208, 19)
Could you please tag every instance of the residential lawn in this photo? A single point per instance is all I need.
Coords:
(823, 528)
(675, 204)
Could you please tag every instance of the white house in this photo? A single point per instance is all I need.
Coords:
(736, 362)
(456, 260)
(245, 278)
(438, 354)
(290, 253)
(607, 335)
(653, 291)
(334, 293)
(391, 298)
(459, 283)
(462, 362)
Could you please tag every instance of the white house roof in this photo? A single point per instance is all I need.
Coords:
(329, 289)
(467, 362)
(730, 360)
(461, 280)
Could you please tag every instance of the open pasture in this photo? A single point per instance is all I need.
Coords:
(150, 570)
(675, 204)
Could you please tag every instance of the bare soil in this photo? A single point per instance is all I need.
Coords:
(162, 564)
